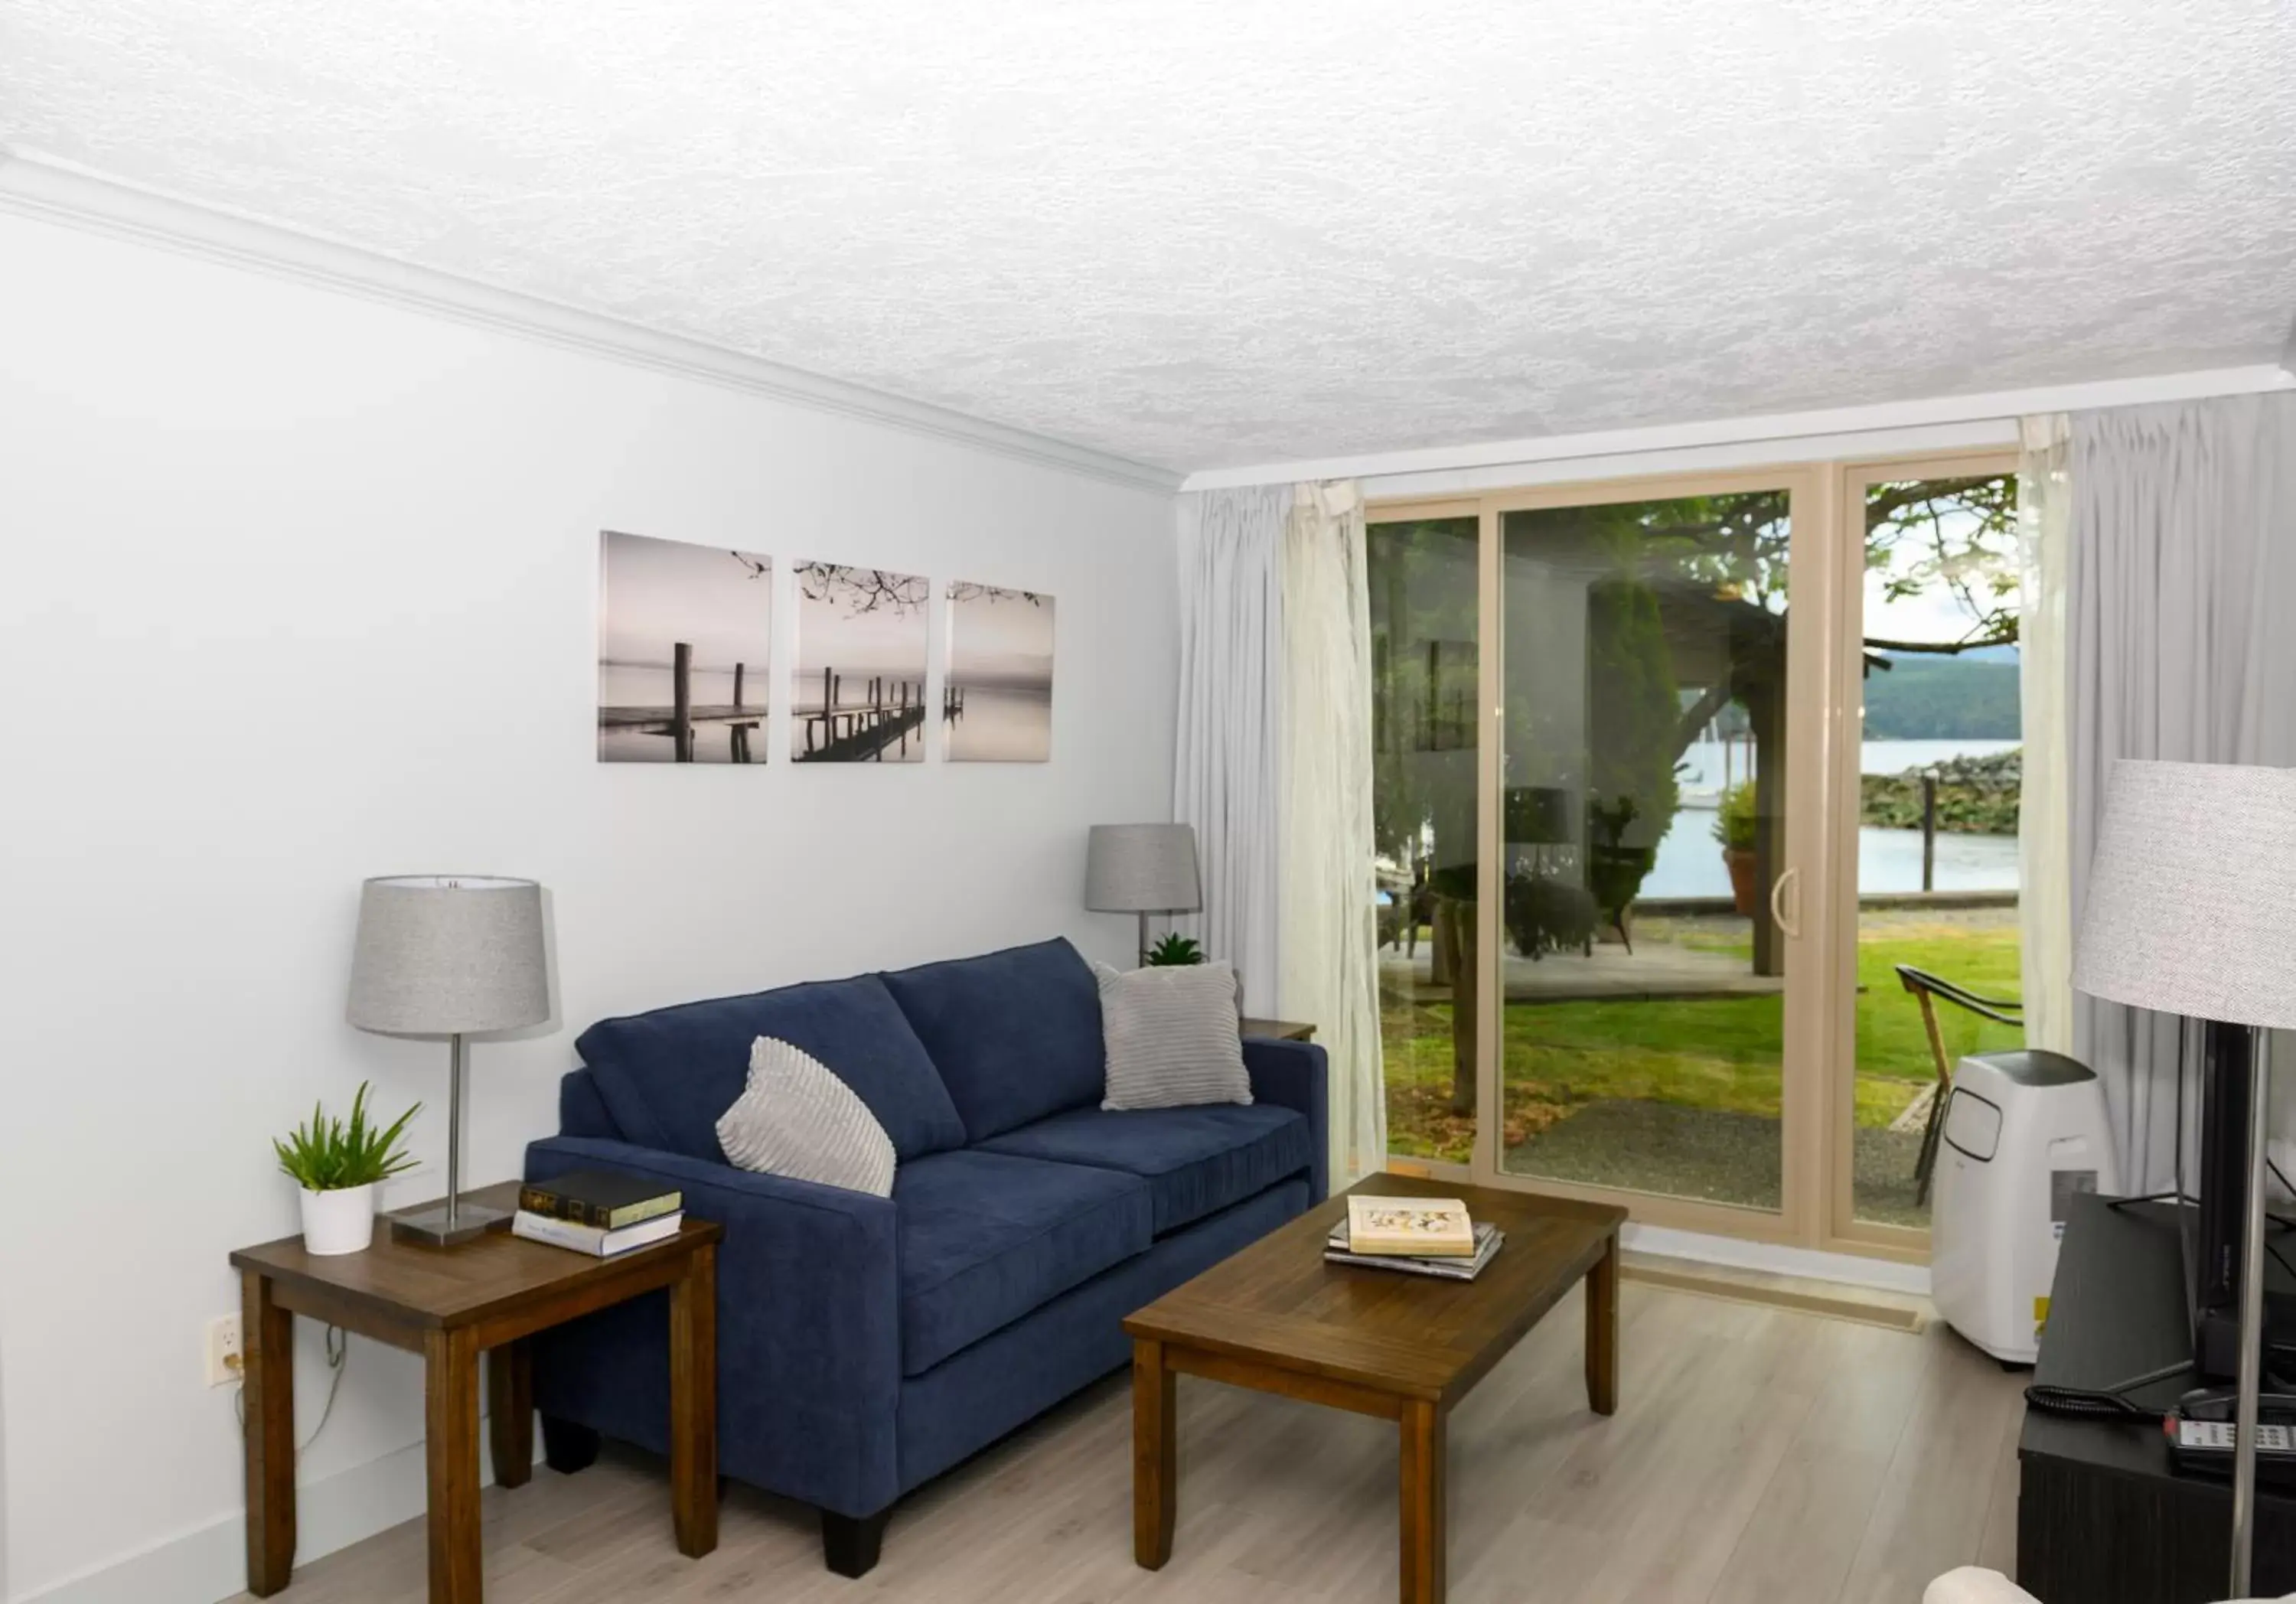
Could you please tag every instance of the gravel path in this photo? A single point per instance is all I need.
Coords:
(1722, 1157)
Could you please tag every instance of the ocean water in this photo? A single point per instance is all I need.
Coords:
(1001, 724)
(1689, 859)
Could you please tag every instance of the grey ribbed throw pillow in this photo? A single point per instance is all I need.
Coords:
(1172, 1036)
(796, 1119)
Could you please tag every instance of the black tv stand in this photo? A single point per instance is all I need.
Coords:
(2103, 1516)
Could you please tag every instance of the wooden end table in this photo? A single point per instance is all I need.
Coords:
(450, 1305)
(1278, 1318)
(1282, 1030)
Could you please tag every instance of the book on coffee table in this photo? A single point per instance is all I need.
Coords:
(1421, 1227)
(1489, 1240)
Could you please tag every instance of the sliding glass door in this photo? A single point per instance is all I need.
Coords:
(1929, 894)
(1642, 804)
(1425, 626)
(1697, 835)
(1586, 734)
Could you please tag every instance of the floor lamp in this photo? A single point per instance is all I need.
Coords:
(2192, 909)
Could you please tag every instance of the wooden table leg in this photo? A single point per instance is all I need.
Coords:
(693, 1403)
(1155, 1455)
(510, 1411)
(1603, 1331)
(1426, 1512)
(268, 1389)
(450, 1385)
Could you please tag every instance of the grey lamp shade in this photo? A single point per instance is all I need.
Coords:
(1141, 869)
(441, 954)
(2191, 893)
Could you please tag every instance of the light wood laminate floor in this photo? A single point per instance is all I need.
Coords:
(1759, 1456)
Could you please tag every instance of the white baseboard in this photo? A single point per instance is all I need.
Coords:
(209, 1562)
(1848, 1269)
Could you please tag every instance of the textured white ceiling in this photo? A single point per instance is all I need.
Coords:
(1202, 233)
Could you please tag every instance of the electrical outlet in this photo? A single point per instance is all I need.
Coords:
(224, 1357)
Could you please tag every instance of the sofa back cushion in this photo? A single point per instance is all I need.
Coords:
(667, 1075)
(1015, 1035)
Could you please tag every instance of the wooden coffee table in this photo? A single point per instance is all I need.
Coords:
(1381, 1342)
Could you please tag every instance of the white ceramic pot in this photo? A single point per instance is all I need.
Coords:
(338, 1222)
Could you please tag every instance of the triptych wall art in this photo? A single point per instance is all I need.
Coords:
(685, 636)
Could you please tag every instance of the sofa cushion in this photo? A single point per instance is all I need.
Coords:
(1015, 1035)
(985, 1237)
(667, 1075)
(1196, 1161)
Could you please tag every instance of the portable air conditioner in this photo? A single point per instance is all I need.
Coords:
(2023, 1132)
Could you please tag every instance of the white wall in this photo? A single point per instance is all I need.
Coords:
(298, 587)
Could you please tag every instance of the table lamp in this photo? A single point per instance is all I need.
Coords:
(2192, 909)
(1143, 868)
(451, 955)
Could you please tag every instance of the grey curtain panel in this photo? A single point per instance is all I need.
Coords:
(1227, 776)
(2182, 636)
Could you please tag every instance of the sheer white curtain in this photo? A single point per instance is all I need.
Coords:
(1328, 937)
(2045, 904)
(2182, 610)
(1227, 772)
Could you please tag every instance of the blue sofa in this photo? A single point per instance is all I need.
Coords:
(865, 1344)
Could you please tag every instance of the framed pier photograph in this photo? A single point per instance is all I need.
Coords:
(996, 699)
(684, 645)
(859, 695)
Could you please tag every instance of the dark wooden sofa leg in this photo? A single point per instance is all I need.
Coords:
(568, 1447)
(850, 1544)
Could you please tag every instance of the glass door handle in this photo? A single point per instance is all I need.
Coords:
(1792, 927)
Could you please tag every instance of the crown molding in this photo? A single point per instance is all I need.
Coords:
(55, 192)
(1986, 406)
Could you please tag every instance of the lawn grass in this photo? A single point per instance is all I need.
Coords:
(1719, 1054)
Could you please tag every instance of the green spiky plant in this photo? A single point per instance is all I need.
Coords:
(332, 1155)
(1174, 949)
(1735, 823)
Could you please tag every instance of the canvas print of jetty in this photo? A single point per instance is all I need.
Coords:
(861, 653)
(997, 695)
(684, 642)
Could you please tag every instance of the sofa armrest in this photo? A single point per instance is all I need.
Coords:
(1971, 1586)
(808, 1317)
(1293, 1074)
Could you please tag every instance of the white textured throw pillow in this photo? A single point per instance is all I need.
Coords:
(1172, 1035)
(796, 1119)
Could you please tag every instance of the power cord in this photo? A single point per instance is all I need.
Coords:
(2103, 1404)
(339, 1352)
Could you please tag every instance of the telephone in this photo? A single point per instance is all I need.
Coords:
(2201, 1435)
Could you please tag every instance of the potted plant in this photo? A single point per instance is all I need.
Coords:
(338, 1164)
(1175, 950)
(1736, 827)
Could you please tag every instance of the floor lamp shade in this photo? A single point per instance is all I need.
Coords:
(450, 955)
(447, 955)
(2192, 909)
(2191, 893)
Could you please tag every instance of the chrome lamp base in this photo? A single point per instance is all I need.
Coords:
(454, 1222)
(440, 1227)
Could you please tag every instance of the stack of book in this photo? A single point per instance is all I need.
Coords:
(598, 1212)
(1424, 1236)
